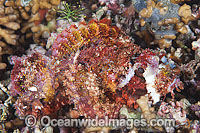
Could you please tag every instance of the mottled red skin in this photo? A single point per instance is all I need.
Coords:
(21, 69)
(35, 71)
(86, 66)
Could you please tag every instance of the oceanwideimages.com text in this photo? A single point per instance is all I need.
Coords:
(99, 122)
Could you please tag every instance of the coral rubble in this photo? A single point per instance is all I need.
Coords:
(163, 19)
(38, 19)
(8, 26)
